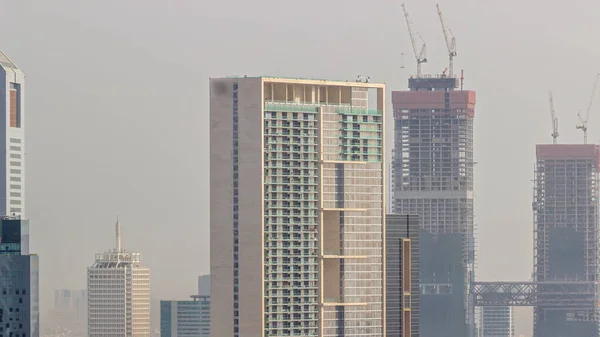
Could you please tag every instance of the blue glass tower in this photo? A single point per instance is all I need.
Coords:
(19, 280)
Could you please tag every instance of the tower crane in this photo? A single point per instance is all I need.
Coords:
(421, 56)
(450, 43)
(554, 120)
(583, 122)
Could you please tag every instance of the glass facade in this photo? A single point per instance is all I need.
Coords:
(185, 318)
(19, 279)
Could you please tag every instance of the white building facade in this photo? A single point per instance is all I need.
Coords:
(12, 132)
(118, 294)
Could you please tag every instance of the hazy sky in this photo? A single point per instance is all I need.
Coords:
(117, 109)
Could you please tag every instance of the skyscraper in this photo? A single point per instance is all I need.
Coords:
(297, 207)
(402, 266)
(118, 294)
(566, 253)
(12, 138)
(433, 177)
(19, 276)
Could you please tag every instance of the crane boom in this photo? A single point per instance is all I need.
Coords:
(450, 42)
(421, 57)
(583, 122)
(554, 120)
(589, 107)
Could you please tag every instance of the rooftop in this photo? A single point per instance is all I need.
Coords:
(360, 82)
(5, 61)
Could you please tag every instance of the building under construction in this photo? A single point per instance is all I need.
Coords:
(433, 177)
(566, 239)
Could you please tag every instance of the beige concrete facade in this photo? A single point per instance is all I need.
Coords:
(297, 207)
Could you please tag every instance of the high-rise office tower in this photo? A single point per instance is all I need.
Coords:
(297, 207)
(566, 253)
(402, 276)
(19, 273)
(118, 294)
(12, 138)
(185, 318)
(496, 322)
(433, 178)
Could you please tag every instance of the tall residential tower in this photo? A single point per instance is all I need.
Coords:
(433, 178)
(297, 207)
(118, 294)
(12, 138)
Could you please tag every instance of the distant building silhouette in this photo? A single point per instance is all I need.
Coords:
(69, 312)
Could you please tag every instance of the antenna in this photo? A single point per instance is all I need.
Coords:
(421, 56)
(118, 234)
(554, 133)
(450, 43)
(583, 122)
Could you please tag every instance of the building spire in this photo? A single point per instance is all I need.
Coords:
(118, 233)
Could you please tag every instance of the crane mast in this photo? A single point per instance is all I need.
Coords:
(450, 43)
(420, 56)
(583, 122)
(554, 120)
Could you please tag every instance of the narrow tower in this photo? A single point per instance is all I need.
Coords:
(12, 140)
(118, 235)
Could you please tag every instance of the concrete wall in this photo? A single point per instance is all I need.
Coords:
(250, 214)
(221, 205)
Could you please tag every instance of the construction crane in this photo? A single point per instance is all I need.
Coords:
(583, 122)
(554, 120)
(450, 43)
(421, 56)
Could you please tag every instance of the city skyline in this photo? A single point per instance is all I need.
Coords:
(490, 79)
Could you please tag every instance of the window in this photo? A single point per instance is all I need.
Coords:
(15, 105)
(15, 140)
(15, 148)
